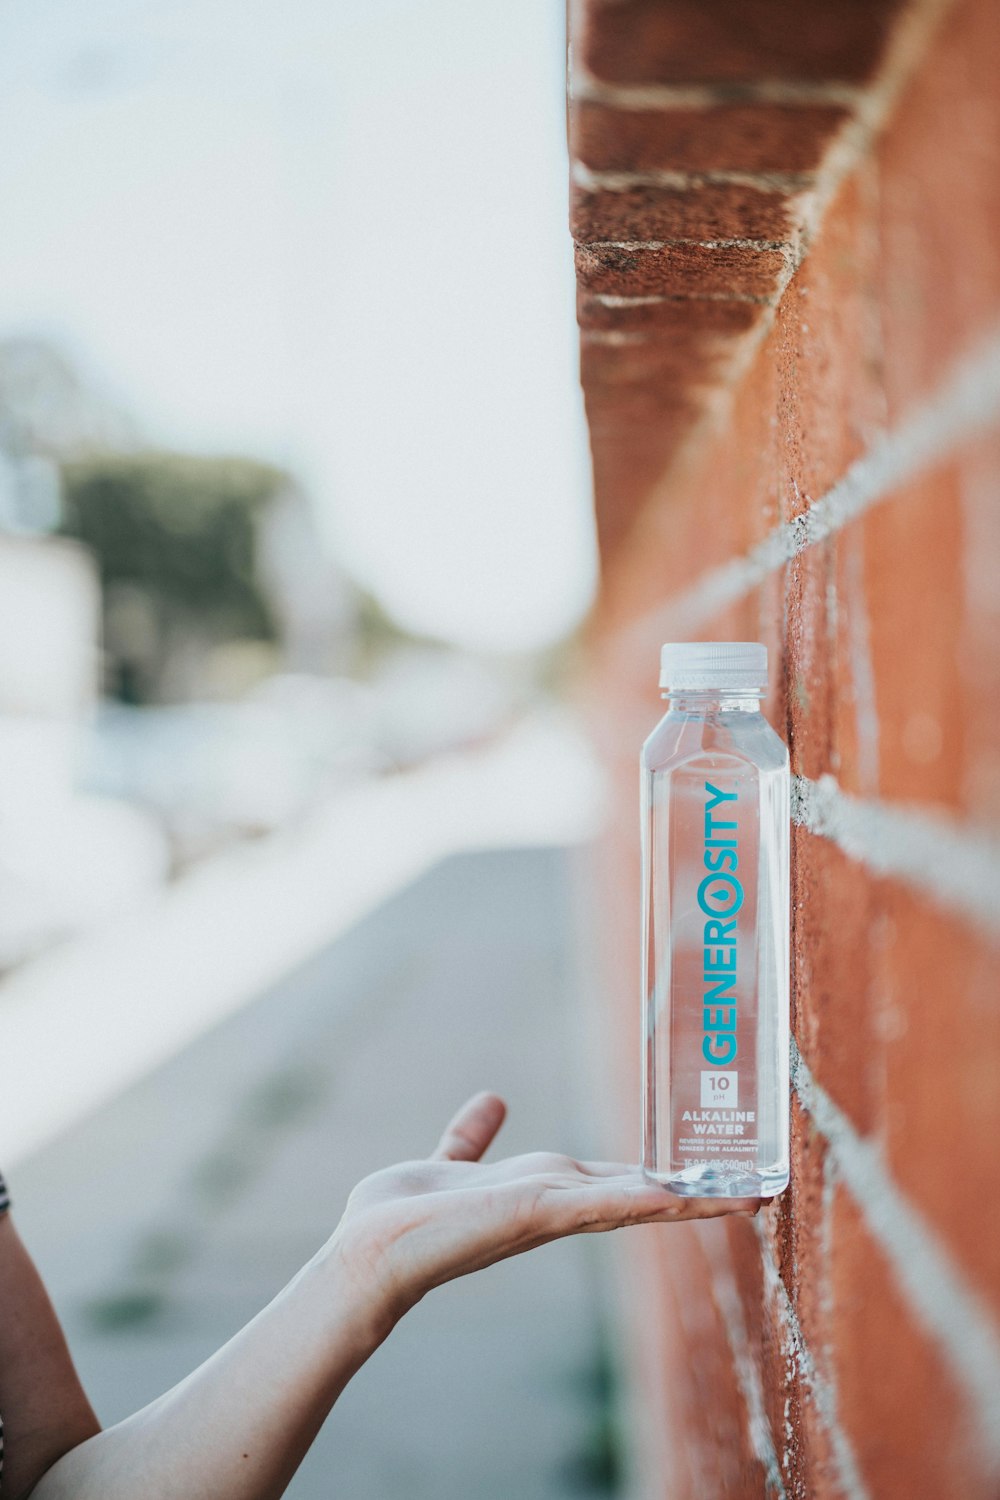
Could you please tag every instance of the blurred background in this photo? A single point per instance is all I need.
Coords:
(295, 536)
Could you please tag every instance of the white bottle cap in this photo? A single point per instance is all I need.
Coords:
(707, 665)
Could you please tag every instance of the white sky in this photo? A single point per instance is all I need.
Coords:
(329, 232)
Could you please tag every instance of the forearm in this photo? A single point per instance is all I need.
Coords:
(45, 1410)
(238, 1427)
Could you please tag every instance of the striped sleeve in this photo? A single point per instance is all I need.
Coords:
(4, 1197)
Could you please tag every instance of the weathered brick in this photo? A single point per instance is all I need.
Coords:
(682, 318)
(732, 41)
(871, 961)
(765, 1333)
(836, 930)
(896, 1399)
(697, 525)
(830, 403)
(936, 990)
(704, 211)
(811, 644)
(627, 468)
(731, 137)
(854, 755)
(939, 208)
(690, 270)
(655, 361)
(713, 1415)
(914, 584)
(790, 1240)
(977, 666)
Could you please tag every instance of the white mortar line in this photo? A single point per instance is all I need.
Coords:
(711, 344)
(781, 246)
(822, 1390)
(862, 668)
(957, 865)
(653, 299)
(609, 180)
(619, 337)
(951, 1311)
(967, 403)
(670, 96)
(727, 1299)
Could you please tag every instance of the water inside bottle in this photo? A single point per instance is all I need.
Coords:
(716, 954)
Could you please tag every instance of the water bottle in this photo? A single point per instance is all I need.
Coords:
(715, 828)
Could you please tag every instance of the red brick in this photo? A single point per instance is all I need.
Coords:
(703, 211)
(730, 137)
(713, 1414)
(689, 270)
(792, 1233)
(683, 318)
(939, 207)
(854, 753)
(897, 1400)
(830, 405)
(927, 560)
(937, 1007)
(627, 469)
(871, 962)
(689, 41)
(811, 643)
(765, 1333)
(655, 361)
(915, 580)
(697, 525)
(836, 915)
(977, 665)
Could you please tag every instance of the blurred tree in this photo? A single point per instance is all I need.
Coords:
(176, 542)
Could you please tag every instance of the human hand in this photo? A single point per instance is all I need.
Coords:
(415, 1225)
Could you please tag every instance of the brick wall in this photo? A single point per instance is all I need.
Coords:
(787, 219)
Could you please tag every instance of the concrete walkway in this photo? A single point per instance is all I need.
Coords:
(165, 1220)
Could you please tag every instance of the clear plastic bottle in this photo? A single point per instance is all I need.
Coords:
(715, 826)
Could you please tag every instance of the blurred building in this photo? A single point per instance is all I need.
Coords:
(66, 860)
(49, 412)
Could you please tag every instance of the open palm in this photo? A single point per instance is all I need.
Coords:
(412, 1226)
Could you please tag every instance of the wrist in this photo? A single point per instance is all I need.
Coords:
(357, 1293)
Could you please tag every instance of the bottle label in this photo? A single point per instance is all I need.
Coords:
(713, 1002)
(720, 1090)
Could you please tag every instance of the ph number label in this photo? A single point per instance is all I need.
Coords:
(720, 1090)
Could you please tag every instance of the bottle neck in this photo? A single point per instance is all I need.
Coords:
(713, 700)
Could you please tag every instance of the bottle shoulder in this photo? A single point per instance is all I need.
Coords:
(680, 738)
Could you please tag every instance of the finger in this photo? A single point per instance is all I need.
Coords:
(651, 1200)
(606, 1207)
(472, 1129)
(646, 1193)
(612, 1169)
(681, 1209)
(575, 1173)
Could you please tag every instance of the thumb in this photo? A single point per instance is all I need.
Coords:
(472, 1129)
